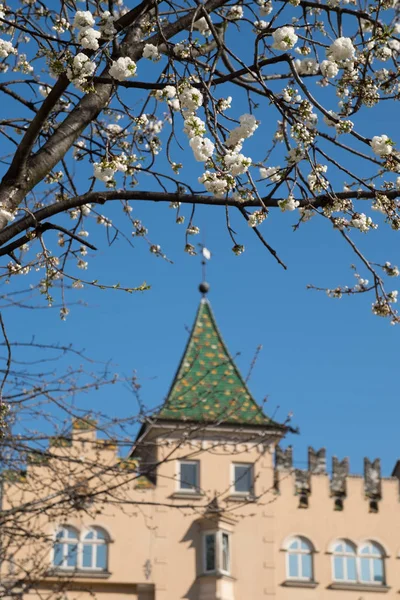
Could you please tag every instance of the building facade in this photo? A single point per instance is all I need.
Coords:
(208, 505)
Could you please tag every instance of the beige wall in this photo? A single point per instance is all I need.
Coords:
(159, 525)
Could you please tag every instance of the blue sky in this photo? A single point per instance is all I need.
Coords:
(330, 362)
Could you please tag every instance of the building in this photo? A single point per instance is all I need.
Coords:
(208, 505)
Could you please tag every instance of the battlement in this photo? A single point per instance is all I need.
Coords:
(373, 485)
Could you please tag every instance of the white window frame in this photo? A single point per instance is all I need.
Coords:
(250, 493)
(218, 535)
(357, 556)
(298, 553)
(80, 541)
(371, 558)
(64, 541)
(345, 555)
(95, 543)
(196, 489)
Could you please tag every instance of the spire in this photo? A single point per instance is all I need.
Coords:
(204, 287)
(208, 386)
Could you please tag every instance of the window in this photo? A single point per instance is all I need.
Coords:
(344, 562)
(73, 551)
(371, 564)
(210, 554)
(226, 563)
(243, 478)
(299, 559)
(65, 554)
(364, 566)
(189, 475)
(217, 552)
(94, 550)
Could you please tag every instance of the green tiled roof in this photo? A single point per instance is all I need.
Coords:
(208, 386)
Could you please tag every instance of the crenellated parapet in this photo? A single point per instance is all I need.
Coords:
(339, 482)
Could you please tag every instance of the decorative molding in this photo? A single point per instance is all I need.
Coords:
(359, 587)
(299, 583)
(72, 574)
(187, 495)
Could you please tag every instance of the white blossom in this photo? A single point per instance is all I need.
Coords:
(260, 25)
(295, 155)
(391, 270)
(44, 90)
(80, 69)
(122, 68)
(341, 51)
(151, 52)
(329, 69)
(248, 125)
(88, 37)
(237, 164)
(61, 25)
(202, 27)
(308, 66)
(190, 99)
(234, 13)
(362, 222)
(224, 103)
(382, 145)
(331, 122)
(288, 204)
(83, 18)
(315, 179)
(265, 8)
(181, 50)
(284, 38)
(272, 173)
(256, 218)
(215, 183)
(203, 148)
(6, 48)
(107, 25)
(194, 126)
(168, 92)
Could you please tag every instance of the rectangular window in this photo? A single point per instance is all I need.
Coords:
(217, 552)
(243, 478)
(189, 475)
(225, 553)
(210, 554)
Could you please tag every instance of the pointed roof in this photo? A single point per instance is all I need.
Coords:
(208, 387)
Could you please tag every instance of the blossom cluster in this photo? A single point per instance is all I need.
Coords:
(79, 69)
(122, 68)
(87, 36)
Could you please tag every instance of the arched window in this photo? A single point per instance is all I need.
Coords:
(371, 563)
(94, 549)
(362, 565)
(344, 561)
(299, 559)
(65, 554)
(88, 551)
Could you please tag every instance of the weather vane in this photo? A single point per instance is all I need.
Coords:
(206, 255)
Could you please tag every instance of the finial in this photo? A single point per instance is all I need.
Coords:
(206, 254)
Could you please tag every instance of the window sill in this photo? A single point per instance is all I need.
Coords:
(182, 494)
(241, 498)
(78, 573)
(217, 575)
(359, 587)
(299, 583)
